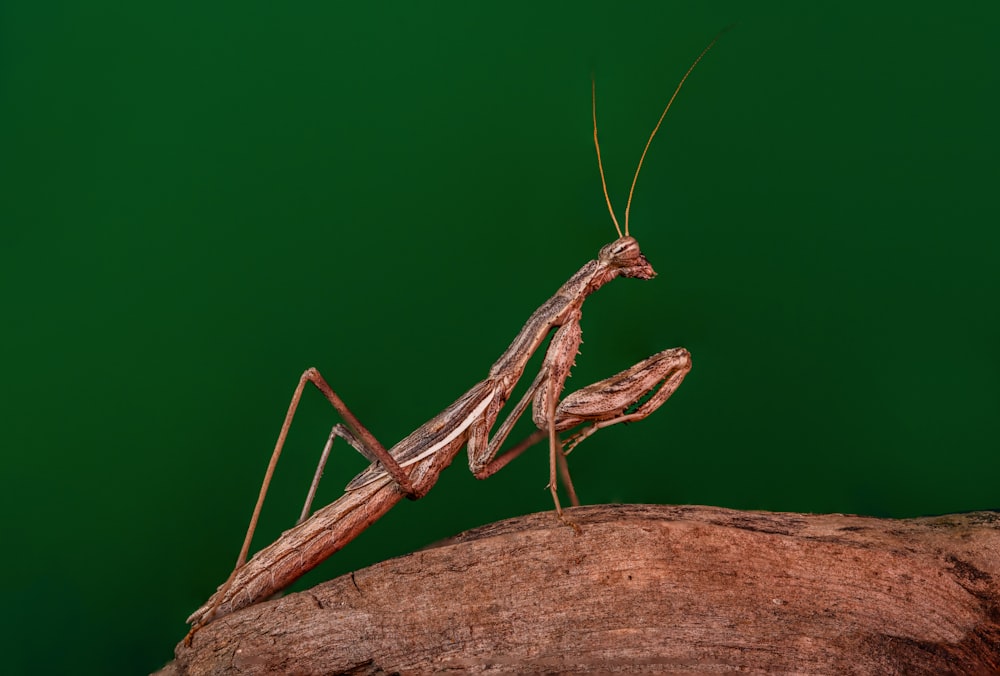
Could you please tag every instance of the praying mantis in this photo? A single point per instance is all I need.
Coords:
(411, 467)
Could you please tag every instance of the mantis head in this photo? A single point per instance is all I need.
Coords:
(624, 256)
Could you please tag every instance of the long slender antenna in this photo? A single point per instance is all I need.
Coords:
(600, 165)
(628, 205)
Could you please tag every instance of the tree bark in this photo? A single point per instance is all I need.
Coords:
(644, 588)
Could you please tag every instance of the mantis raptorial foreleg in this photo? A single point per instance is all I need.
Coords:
(628, 396)
(619, 399)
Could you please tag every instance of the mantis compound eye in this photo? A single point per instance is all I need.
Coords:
(621, 252)
(624, 255)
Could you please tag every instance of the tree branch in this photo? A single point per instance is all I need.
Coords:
(644, 588)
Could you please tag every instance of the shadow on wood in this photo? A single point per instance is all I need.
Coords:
(644, 588)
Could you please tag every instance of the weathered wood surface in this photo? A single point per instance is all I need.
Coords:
(644, 588)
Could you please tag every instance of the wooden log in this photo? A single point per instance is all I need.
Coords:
(644, 588)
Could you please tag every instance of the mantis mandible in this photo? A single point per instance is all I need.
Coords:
(411, 467)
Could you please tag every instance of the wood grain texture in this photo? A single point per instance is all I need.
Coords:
(644, 589)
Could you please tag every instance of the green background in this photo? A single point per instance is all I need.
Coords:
(199, 202)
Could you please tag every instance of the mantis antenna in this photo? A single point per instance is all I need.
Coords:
(597, 145)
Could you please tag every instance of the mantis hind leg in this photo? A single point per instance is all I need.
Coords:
(354, 433)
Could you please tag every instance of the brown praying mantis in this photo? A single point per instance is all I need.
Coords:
(411, 467)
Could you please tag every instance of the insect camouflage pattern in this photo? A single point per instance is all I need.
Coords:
(412, 466)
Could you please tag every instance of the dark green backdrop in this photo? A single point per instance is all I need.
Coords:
(198, 203)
